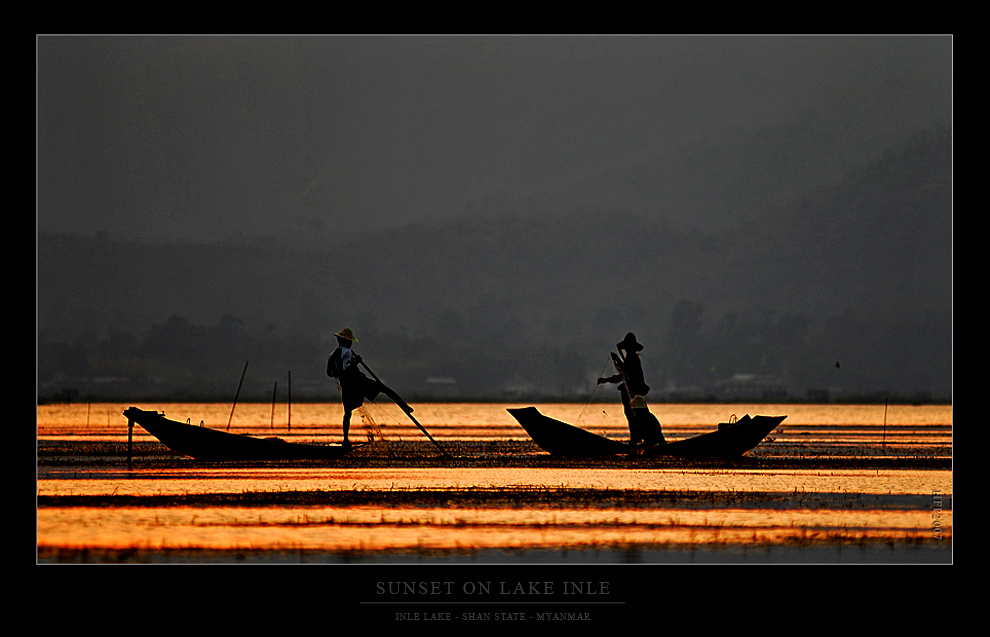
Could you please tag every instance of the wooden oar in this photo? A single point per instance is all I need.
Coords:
(404, 406)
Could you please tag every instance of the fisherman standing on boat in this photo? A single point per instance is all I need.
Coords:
(630, 382)
(354, 386)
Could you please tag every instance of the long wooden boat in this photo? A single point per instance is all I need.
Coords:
(730, 440)
(203, 443)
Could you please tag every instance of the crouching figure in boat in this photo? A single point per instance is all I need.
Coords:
(645, 430)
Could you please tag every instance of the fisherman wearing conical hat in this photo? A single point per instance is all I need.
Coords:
(629, 369)
(629, 377)
(355, 387)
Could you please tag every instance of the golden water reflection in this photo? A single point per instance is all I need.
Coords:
(491, 421)
(881, 515)
(239, 480)
(906, 506)
(367, 528)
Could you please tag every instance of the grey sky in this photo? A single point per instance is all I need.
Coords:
(207, 137)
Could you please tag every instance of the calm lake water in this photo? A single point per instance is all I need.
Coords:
(833, 514)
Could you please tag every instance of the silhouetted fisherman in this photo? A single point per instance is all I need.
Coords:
(629, 377)
(355, 387)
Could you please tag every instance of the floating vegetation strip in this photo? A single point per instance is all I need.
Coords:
(510, 497)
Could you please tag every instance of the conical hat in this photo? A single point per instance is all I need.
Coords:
(346, 333)
(630, 343)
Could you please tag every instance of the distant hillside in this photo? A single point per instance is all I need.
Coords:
(864, 261)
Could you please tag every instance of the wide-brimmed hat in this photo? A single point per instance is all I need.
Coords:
(630, 343)
(346, 333)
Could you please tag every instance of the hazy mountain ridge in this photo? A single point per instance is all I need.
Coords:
(561, 284)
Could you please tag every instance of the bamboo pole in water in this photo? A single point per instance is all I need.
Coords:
(887, 400)
(237, 394)
(288, 424)
(271, 425)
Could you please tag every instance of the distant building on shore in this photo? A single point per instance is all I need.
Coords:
(750, 387)
(441, 387)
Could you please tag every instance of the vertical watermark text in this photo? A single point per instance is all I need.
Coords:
(937, 514)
